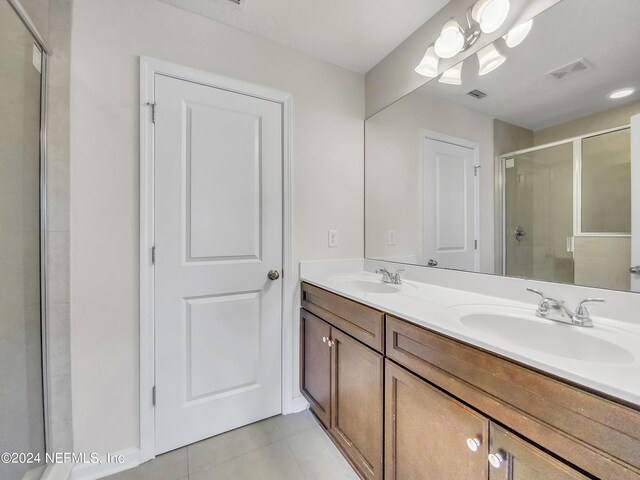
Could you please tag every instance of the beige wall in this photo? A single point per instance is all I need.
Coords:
(108, 37)
(392, 184)
(610, 118)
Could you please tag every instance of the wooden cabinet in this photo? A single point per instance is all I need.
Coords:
(512, 458)
(315, 371)
(357, 403)
(343, 381)
(448, 409)
(429, 435)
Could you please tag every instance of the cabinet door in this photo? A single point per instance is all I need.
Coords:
(315, 371)
(512, 458)
(357, 403)
(428, 434)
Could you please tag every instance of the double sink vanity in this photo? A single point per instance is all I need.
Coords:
(414, 380)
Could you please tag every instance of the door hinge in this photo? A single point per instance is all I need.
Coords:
(153, 111)
(475, 244)
(153, 255)
(153, 396)
(476, 168)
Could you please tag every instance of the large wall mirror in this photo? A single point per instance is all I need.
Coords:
(518, 160)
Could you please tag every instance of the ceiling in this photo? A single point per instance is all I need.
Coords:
(604, 32)
(355, 34)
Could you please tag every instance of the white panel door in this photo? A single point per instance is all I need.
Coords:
(449, 205)
(635, 203)
(218, 232)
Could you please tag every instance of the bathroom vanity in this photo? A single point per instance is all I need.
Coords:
(406, 393)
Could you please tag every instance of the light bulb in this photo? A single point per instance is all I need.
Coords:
(625, 92)
(450, 41)
(517, 35)
(429, 64)
(490, 14)
(453, 76)
(489, 59)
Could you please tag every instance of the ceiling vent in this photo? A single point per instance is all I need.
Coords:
(237, 2)
(572, 69)
(477, 94)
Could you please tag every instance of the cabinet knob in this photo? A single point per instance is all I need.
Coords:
(324, 339)
(496, 459)
(330, 343)
(473, 444)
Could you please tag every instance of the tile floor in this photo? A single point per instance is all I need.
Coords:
(290, 447)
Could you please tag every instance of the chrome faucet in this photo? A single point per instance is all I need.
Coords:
(548, 305)
(388, 277)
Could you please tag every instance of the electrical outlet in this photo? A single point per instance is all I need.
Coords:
(391, 237)
(333, 238)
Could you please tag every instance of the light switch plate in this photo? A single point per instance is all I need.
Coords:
(391, 237)
(333, 238)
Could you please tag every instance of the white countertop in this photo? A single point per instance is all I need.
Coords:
(438, 308)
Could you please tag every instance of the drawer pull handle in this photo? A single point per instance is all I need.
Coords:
(473, 444)
(495, 459)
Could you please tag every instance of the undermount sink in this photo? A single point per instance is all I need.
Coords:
(519, 327)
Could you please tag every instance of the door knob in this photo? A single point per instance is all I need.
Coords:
(273, 274)
(496, 459)
(635, 270)
(473, 444)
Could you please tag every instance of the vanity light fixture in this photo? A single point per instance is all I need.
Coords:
(451, 40)
(517, 34)
(622, 93)
(453, 76)
(489, 59)
(429, 64)
(490, 14)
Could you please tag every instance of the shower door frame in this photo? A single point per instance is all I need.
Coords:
(38, 40)
(500, 192)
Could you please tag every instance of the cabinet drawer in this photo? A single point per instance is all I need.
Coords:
(592, 432)
(361, 322)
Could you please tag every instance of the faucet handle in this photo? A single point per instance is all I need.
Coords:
(538, 292)
(580, 309)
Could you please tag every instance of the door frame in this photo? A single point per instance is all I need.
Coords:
(149, 67)
(460, 142)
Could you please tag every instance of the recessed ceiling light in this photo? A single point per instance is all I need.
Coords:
(624, 92)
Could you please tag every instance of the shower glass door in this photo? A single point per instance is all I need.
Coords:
(538, 201)
(21, 385)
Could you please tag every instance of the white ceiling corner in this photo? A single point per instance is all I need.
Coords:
(355, 34)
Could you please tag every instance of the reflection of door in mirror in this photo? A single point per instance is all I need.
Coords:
(449, 205)
(539, 214)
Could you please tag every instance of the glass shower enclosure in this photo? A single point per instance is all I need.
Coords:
(22, 399)
(565, 203)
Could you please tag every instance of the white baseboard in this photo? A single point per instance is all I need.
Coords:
(297, 404)
(88, 471)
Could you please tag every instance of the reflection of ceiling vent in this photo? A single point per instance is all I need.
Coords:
(571, 69)
(477, 94)
(237, 2)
